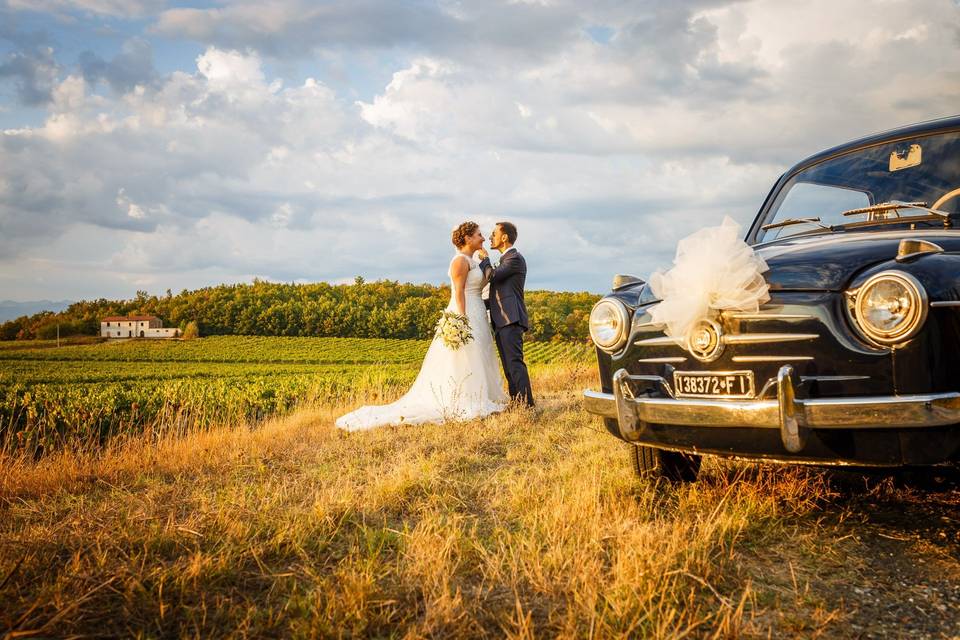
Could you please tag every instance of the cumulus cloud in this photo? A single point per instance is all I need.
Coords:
(294, 27)
(29, 65)
(605, 132)
(33, 74)
(187, 147)
(131, 67)
(476, 29)
(735, 80)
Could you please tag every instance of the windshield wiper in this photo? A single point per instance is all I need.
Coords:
(792, 221)
(895, 206)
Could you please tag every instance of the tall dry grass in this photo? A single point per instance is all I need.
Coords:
(520, 525)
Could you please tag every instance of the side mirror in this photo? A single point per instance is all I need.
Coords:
(621, 281)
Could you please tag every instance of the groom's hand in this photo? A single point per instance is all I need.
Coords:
(482, 254)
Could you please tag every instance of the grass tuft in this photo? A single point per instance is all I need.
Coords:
(523, 524)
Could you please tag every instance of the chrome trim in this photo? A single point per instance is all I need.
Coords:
(767, 386)
(945, 303)
(715, 336)
(888, 338)
(624, 329)
(746, 315)
(735, 338)
(790, 434)
(659, 380)
(787, 413)
(629, 423)
(622, 280)
(910, 249)
(761, 338)
(658, 342)
(599, 404)
(644, 325)
(772, 358)
(772, 382)
(677, 360)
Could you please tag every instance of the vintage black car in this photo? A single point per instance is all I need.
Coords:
(854, 361)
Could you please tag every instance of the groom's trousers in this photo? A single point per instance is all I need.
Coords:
(510, 345)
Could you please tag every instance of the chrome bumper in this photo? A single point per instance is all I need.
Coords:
(790, 415)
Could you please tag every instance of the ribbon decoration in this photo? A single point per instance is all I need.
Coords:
(713, 270)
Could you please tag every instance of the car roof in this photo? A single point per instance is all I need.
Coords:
(909, 131)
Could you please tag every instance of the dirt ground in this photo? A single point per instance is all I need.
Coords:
(887, 559)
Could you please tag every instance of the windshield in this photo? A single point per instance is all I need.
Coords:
(924, 169)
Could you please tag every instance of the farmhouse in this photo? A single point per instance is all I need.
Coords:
(135, 327)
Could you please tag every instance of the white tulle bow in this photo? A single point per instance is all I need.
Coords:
(713, 270)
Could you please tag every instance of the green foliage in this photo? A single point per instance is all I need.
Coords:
(191, 331)
(66, 328)
(382, 309)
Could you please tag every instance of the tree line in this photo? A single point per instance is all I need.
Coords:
(381, 309)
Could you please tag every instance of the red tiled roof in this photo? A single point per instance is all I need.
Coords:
(128, 318)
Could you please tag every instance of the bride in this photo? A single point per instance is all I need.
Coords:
(456, 384)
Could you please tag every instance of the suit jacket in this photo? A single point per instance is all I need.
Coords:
(506, 290)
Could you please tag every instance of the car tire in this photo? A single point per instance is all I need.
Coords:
(649, 462)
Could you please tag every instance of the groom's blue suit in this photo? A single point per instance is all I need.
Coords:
(508, 312)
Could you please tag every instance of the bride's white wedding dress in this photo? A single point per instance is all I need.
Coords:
(452, 385)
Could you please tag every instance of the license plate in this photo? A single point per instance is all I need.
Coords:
(713, 384)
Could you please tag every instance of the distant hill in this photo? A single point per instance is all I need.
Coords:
(381, 309)
(10, 309)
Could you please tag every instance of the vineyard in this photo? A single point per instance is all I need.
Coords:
(259, 349)
(86, 394)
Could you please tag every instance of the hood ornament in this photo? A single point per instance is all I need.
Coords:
(705, 341)
(911, 249)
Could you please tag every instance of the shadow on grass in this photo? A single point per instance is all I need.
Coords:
(921, 505)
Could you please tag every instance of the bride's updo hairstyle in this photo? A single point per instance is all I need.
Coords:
(464, 231)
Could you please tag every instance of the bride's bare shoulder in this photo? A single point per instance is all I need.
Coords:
(458, 266)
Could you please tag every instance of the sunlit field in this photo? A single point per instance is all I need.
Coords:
(523, 524)
(85, 395)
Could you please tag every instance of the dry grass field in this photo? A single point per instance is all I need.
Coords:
(525, 524)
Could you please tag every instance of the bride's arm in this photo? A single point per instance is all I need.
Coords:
(458, 273)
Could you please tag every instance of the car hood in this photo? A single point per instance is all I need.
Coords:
(827, 262)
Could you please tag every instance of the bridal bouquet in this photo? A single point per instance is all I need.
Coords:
(454, 329)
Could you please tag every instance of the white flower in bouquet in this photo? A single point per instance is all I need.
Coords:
(454, 330)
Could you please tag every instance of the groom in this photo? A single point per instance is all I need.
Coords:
(507, 309)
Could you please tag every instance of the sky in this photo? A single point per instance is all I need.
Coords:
(153, 145)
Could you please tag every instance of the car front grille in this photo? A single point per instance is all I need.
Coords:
(804, 329)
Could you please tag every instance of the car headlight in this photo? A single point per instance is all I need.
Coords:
(609, 324)
(890, 307)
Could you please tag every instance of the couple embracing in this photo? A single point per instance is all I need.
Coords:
(463, 381)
